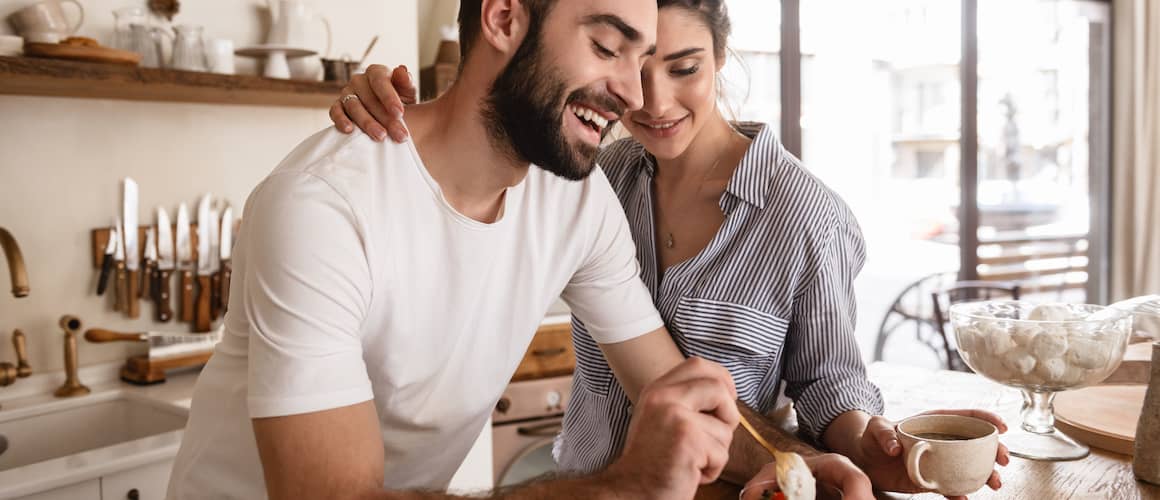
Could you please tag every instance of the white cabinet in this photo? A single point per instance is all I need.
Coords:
(148, 483)
(88, 490)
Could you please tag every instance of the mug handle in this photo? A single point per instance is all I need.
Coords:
(80, 16)
(912, 459)
(326, 24)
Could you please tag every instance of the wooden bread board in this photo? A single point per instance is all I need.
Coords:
(81, 53)
(1103, 416)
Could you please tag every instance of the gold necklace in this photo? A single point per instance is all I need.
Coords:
(670, 242)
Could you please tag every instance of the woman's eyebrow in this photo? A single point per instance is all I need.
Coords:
(683, 53)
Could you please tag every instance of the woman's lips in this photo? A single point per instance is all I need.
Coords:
(662, 129)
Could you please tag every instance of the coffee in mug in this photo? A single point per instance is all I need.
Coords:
(951, 454)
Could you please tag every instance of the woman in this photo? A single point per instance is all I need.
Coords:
(749, 258)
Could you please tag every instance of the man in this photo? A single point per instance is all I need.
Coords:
(385, 293)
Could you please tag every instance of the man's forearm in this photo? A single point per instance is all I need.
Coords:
(603, 485)
(747, 456)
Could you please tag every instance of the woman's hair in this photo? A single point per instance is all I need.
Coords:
(712, 13)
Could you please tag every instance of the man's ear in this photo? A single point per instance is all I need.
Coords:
(503, 24)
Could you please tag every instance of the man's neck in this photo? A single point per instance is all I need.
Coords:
(458, 152)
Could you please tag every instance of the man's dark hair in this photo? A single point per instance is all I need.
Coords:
(470, 24)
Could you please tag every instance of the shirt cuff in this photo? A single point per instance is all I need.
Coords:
(261, 407)
(627, 331)
(824, 401)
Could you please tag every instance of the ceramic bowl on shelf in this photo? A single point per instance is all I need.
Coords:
(11, 45)
(1041, 349)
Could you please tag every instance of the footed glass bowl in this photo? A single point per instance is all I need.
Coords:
(1041, 350)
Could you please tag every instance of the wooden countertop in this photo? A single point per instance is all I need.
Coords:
(909, 390)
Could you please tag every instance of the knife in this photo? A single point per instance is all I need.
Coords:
(120, 301)
(107, 262)
(132, 255)
(227, 243)
(201, 316)
(149, 268)
(165, 264)
(215, 278)
(161, 344)
(185, 263)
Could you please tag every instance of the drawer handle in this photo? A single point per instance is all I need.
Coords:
(545, 353)
(541, 430)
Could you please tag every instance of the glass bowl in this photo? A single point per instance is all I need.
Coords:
(1041, 349)
(756, 491)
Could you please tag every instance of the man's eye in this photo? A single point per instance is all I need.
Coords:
(686, 71)
(602, 51)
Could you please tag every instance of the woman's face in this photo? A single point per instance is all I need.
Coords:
(680, 93)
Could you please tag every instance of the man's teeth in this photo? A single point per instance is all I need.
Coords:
(589, 115)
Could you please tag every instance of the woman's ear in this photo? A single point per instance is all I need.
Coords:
(503, 24)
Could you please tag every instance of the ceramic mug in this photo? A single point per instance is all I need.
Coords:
(45, 22)
(950, 454)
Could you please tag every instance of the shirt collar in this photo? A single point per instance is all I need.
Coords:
(751, 181)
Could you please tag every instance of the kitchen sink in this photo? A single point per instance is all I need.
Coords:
(61, 428)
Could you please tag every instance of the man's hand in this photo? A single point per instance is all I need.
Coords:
(378, 106)
(883, 460)
(831, 469)
(680, 432)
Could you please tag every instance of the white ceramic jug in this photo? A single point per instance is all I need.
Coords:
(290, 24)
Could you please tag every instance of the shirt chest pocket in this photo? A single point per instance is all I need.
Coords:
(723, 331)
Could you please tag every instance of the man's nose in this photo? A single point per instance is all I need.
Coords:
(626, 86)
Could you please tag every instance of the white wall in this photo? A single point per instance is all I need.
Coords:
(61, 160)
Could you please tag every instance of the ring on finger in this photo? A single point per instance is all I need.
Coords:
(343, 99)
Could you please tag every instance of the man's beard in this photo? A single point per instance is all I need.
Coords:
(523, 109)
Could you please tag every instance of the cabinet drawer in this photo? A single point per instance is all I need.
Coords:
(143, 483)
(550, 354)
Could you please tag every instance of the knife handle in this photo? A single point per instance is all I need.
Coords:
(215, 300)
(102, 335)
(227, 273)
(133, 298)
(164, 311)
(103, 278)
(119, 299)
(148, 280)
(186, 296)
(201, 320)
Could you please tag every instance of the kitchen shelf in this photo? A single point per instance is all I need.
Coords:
(58, 78)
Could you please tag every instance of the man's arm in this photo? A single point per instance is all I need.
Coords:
(678, 439)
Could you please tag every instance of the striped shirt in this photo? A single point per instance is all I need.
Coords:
(771, 297)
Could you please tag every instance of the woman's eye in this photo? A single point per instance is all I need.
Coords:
(602, 51)
(686, 71)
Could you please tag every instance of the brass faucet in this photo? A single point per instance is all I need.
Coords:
(9, 372)
(16, 266)
(72, 385)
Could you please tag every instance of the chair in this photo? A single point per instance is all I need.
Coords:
(965, 291)
(913, 306)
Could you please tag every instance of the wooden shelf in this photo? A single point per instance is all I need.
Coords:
(58, 78)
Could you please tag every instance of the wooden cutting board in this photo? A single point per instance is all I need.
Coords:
(81, 53)
(1103, 416)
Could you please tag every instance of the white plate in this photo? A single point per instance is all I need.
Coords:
(265, 50)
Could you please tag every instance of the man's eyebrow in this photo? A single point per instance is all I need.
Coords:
(616, 22)
(683, 53)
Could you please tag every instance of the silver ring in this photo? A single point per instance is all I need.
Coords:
(343, 99)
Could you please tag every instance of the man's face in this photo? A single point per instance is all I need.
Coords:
(573, 76)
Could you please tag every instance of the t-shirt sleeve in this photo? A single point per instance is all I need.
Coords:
(307, 291)
(606, 292)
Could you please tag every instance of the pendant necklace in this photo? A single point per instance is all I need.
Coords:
(669, 241)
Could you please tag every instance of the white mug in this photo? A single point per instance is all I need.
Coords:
(220, 53)
(45, 22)
(950, 454)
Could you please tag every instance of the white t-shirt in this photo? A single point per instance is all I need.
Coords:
(354, 279)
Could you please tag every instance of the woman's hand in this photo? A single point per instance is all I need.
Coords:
(375, 102)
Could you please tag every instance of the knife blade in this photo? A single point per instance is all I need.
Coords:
(161, 344)
(107, 262)
(132, 253)
(149, 266)
(120, 301)
(165, 265)
(185, 263)
(215, 278)
(226, 252)
(201, 317)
